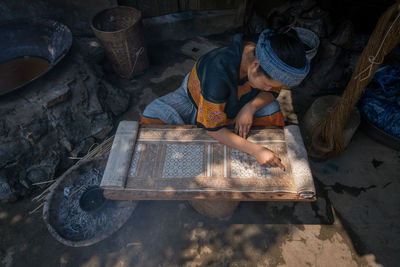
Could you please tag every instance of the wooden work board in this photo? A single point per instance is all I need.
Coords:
(184, 162)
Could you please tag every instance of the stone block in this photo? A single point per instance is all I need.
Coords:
(94, 106)
(116, 99)
(58, 95)
(101, 126)
(83, 147)
(7, 194)
(12, 151)
(34, 130)
(36, 174)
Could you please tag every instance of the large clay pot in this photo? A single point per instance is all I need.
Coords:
(75, 212)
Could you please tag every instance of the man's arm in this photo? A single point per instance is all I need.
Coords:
(261, 100)
(263, 155)
(244, 118)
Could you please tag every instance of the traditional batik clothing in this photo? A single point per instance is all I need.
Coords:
(212, 94)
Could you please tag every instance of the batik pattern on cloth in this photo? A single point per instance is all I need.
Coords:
(194, 86)
(276, 90)
(211, 115)
(146, 120)
(275, 119)
(244, 89)
(183, 161)
(245, 166)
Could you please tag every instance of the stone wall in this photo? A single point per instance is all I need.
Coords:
(58, 116)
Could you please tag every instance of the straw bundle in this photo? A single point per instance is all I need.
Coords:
(102, 149)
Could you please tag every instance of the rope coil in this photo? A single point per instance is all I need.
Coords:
(371, 59)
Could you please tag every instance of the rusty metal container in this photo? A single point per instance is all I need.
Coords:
(24, 39)
(120, 31)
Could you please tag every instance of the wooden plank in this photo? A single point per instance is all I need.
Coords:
(227, 196)
(181, 133)
(149, 160)
(166, 126)
(119, 161)
(189, 126)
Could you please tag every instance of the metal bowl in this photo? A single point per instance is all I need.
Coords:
(378, 134)
(43, 38)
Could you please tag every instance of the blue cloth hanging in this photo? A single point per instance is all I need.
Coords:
(380, 101)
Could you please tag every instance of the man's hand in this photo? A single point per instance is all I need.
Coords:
(266, 157)
(263, 155)
(244, 120)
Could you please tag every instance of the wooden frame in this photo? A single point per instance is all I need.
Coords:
(144, 173)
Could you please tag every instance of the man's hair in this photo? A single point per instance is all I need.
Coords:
(285, 42)
(289, 48)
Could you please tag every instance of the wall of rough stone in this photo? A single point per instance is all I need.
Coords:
(58, 116)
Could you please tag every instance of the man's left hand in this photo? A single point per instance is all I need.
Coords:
(244, 120)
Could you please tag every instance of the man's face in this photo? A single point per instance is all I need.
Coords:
(260, 81)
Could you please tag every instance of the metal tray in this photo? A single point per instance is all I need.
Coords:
(378, 134)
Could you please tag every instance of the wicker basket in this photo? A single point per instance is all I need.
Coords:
(120, 31)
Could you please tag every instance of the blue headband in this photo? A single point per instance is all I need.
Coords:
(274, 66)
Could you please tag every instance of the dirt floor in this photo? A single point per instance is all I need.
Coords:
(354, 222)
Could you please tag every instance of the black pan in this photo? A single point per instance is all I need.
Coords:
(42, 38)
